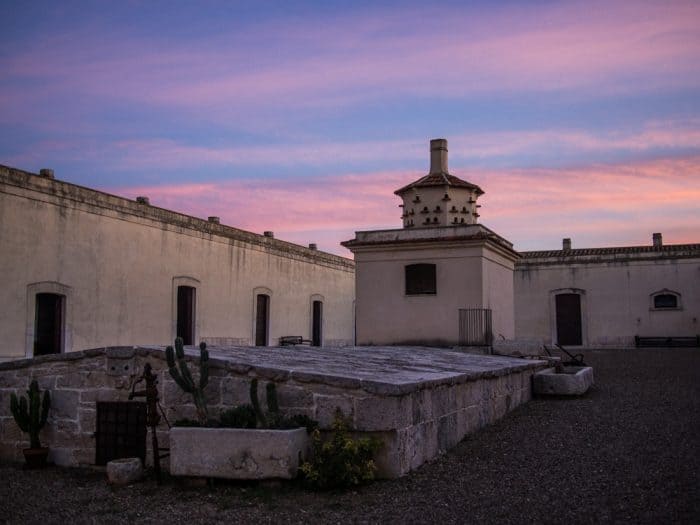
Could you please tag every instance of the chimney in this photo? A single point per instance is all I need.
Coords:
(45, 172)
(143, 200)
(269, 234)
(656, 240)
(214, 219)
(566, 244)
(438, 156)
(313, 246)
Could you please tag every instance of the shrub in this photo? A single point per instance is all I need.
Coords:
(241, 416)
(339, 460)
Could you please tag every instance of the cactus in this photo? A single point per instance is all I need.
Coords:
(31, 416)
(273, 418)
(256, 403)
(177, 367)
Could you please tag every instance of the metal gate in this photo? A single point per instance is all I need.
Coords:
(475, 327)
(121, 431)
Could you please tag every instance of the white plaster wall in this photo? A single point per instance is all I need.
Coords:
(432, 197)
(120, 269)
(498, 294)
(617, 303)
(386, 315)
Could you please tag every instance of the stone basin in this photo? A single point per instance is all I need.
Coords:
(237, 453)
(570, 381)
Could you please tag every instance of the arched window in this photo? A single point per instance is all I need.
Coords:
(184, 309)
(421, 279)
(665, 300)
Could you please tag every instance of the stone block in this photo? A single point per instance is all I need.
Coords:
(468, 420)
(290, 396)
(84, 380)
(393, 459)
(383, 413)
(93, 395)
(574, 381)
(235, 391)
(422, 406)
(234, 453)
(444, 400)
(448, 434)
(10, 432)
(122, 366)
(124, 471)
(8, 379)
(326, 407)
(63, 457)
(64, 404)
(83, 456)
(61, 433)
(87, 420)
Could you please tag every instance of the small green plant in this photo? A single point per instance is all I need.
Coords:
(31, 415)
(274, 419)
(339, 460)
(177, 367)
(241, 416)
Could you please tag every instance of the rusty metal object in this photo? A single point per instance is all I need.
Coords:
(152, 414)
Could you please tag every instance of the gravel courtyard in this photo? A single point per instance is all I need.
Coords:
(628, 451)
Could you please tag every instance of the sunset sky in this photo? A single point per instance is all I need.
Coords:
(578, 119)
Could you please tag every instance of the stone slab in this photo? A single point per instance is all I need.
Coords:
(235, 453)
(574, 381)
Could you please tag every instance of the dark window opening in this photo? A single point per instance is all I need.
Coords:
(317, 323)
(665, 300)
(48, 328)
(186, 296)
(262, 308)
(420, 279)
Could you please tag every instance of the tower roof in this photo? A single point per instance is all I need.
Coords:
(439, 175)
(440, 179)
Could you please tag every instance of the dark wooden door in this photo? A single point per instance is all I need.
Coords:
(48, 330)
(317, 323)
(186, 313)
(261, 319)
(569, 331)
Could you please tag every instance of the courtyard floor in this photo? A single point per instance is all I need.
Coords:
(628, 451)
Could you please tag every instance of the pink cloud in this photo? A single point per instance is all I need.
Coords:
(431, 51)
(597, 205)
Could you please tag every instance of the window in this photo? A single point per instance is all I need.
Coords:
(317, 323)
(420, 279)
(665, 300)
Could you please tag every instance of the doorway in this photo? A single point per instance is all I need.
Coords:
(568, 319)
(186, 299)
(262, 319)
(49, 326)
(317, 323)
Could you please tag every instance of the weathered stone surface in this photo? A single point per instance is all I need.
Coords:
(234, 453)
(326, 407)
(383, 413)
(575, 381)
(124, 471)
(418, 400)
(64, 404)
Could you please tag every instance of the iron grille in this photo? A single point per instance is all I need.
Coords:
(121, 431)
(475, 327)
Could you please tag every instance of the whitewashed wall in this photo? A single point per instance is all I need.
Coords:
(118, 262)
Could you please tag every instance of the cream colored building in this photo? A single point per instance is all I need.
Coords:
(605, 297)
(441, 280)
(83, 269)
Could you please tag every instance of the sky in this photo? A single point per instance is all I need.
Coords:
(577, 119)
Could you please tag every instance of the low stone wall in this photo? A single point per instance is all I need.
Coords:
(416, 420)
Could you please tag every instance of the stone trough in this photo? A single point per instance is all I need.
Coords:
(419, 401)
(570, 381)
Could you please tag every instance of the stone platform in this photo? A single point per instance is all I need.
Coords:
(419, 401)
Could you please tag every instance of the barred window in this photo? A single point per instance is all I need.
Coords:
(420, 279)
(665, 300)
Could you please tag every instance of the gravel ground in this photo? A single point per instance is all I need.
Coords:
(628, 452)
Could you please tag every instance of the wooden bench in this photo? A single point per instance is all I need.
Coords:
(291, 340)
(667, 342)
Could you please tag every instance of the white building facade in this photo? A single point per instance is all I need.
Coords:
(84, 269)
